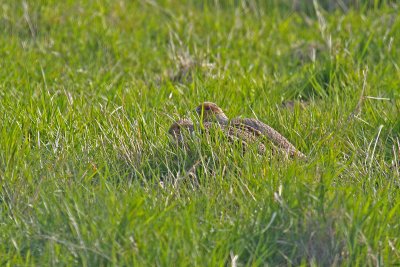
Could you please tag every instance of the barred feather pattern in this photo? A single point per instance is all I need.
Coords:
(233, 134)
(273, 135)
(247, 126)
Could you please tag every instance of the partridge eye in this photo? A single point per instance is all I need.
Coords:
(207, 108)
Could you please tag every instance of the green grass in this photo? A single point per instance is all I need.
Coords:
(89, 176)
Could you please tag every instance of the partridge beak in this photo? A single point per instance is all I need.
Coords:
(200, 111)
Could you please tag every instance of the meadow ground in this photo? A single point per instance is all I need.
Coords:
(89, 176)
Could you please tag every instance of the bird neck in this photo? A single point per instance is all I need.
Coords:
(222, 118)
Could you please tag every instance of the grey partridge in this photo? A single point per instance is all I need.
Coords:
(211, 112)
(233, 134)
(177, 128)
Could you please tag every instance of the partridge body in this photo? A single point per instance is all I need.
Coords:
(178, 129)
(211, 112)
(233, 134)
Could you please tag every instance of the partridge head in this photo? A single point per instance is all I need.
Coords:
(211, 112)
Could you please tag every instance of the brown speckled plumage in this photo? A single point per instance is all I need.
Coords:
(177, 128)
(233, 134)
(210, 112)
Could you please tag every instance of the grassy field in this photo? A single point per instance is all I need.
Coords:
(89, 176)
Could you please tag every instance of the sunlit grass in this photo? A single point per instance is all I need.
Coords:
(89, 175)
